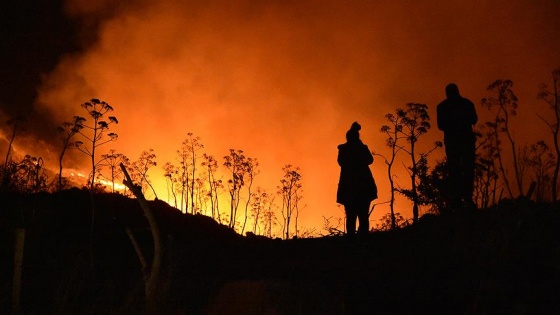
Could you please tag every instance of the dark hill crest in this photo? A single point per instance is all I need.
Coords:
(502, 260)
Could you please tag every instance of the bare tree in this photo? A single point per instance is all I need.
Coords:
(269, 220)
(505, 105)
(414, 123)
(186, 171)
(553, 99)
(94, 133)
(486, 167)
(140, 169)
(171, 179)
(235, 162)
(394, 135)
(182, 175)
(201, 195)
(251, 170)
(66, 130)
(113, 160)
(192, 146)
(215, 185)
(257, 207)
(262, 212)
(290, 190)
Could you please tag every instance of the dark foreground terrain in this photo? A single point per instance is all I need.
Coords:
(500, 261)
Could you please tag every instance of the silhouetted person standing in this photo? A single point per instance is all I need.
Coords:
(356, 187)
(456, 117)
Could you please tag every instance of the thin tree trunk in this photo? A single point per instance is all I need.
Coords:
(556, 145)
(138, 249)
(247, 206)
(152, 281)
(518, 175)
(60, 166)
(392, 202)
(392, 181)
(501, 164)
(414, 189)
(556, 168)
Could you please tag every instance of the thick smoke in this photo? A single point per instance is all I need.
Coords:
(283, 80)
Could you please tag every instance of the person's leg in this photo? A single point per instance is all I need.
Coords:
(467, 180)
(351, 216)
(363, 218)
(454, 175)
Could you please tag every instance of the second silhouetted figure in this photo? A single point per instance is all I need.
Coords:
(455, 117)
(356, 187)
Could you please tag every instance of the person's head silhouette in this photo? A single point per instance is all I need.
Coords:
(353, 135)
(452, 91)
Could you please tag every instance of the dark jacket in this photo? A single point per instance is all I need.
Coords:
(356, 182)
(456, 117)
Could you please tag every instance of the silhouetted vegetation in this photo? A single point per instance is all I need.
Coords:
(112, 161)
(500, 258)
(67, 130)
(553, 99)
(93, 133)
(290, 191)
(198, 182)
(506, 107)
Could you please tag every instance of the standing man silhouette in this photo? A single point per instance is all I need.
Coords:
(456, 117)
(356, 186)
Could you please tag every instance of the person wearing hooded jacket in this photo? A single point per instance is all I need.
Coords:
(356, 186)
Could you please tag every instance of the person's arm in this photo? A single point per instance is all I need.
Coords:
(368, 157)
(341, 156)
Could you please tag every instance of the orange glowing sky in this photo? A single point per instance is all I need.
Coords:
(283, 80)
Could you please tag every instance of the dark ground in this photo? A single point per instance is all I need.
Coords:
(505, 260)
